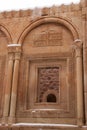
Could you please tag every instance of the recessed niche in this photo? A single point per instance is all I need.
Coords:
(48, 80)
(51, 98)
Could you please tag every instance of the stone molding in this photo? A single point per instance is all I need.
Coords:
(58, 20)
(17, 56)
(14, 48)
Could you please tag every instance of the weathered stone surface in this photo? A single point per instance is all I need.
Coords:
(43, 67)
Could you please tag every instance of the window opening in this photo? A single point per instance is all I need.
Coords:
(51, 98)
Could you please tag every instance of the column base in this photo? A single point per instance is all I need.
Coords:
(4, 121)
(80, 122)
(11, 120)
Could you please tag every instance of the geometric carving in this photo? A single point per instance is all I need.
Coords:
(48, 80)
(48, 38)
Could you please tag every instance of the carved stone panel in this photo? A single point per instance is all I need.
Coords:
(47, 88)
(48, 79)
(48, 38)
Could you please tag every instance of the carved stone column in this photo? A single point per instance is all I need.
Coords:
(8, 87)
(79, 80)
(14, 88)
(84, 35)
(13, 54)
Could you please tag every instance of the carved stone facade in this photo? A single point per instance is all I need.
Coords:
(43, 67)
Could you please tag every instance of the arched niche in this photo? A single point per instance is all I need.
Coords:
(50, 96)
(5, 39)
(43, 20)
(58, 55)
(62, 33)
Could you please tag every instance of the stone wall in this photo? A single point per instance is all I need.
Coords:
(34, 45)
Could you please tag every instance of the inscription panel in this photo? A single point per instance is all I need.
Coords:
(45, 35)
(48, 38)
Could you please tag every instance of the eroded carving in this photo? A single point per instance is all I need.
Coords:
(14, 48)
(48, 80)
(48, 38)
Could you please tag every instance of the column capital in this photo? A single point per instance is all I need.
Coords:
(78, 44)
(77, 47)
(14, 48)
(11, 56)
(17, 55)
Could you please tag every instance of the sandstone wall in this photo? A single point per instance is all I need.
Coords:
(33, 40)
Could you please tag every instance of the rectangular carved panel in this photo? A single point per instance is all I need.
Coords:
(48, 80)
(40, 79)
(48, 38)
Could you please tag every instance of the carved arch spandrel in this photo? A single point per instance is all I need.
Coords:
(5, 39)
(6, 32)
(59, 20)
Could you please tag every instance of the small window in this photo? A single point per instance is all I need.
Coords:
(51, 98)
